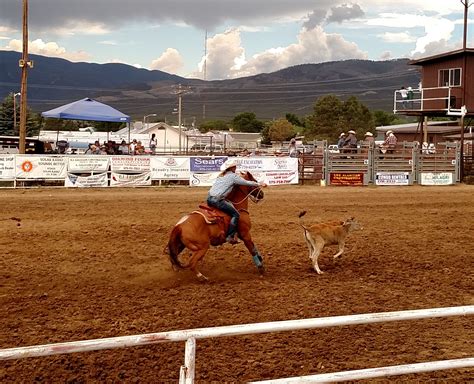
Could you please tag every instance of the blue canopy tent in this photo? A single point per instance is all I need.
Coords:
(90, 110)
(87, 109)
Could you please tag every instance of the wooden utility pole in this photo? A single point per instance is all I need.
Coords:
(24, 64)
(464, 70)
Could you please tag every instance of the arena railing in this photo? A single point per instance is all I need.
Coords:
(187, 371)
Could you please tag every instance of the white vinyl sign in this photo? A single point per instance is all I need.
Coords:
(444, 178)
(169, 168)
(7, 167)
(99, 180)
(41, 167)
(130, 163)
(88, 164)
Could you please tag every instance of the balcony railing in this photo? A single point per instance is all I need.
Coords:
(437, 99)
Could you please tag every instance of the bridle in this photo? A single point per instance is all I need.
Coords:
(251, 195)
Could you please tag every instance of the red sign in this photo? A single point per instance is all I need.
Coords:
(343, 178)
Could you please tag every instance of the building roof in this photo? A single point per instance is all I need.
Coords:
(433, 127)
(440, 56)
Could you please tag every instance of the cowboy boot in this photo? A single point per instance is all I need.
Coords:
(232, 232)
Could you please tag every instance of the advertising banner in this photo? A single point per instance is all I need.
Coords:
(40, 167)
(392, 178)
(169, 168)
(75, 181)
(7, 166)
(442, 178)
(206, 164)
(88, 164)
(271, 170)
(202, 179)
(130, 180)
(130, 164)
(346, 178)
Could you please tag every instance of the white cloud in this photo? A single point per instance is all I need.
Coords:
(170, 61)
(51, 48)
(226, 56)
(435, 28)
(108, 42)
(397, 37)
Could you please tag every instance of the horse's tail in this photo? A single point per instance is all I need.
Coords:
(175, 246)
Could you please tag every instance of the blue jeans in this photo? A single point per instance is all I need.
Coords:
(226, 207)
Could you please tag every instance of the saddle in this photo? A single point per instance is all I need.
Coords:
(215, 216)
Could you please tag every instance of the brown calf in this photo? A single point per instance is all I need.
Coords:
(317, 236)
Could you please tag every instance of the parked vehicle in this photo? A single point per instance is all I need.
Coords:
(333, 148)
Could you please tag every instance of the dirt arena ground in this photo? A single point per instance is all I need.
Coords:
(84, 264)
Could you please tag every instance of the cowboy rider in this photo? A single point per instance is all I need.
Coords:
(220, 190)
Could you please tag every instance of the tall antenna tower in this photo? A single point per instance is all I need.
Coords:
(205, 76)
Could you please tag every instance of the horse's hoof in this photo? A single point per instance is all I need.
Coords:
(261, 270)
(201, 277)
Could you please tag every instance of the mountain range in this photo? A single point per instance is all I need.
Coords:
(138, 92)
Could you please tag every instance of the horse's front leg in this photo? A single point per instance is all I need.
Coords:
(256, 257)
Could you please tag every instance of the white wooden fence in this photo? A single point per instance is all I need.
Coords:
(187, 371)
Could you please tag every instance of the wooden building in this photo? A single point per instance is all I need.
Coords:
(447, 85)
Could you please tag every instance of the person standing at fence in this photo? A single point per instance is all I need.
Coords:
(350, 144)
(292, 151)
(404, 96)
(410, 95)
(388, 146)
(369, 138)
(342, 139)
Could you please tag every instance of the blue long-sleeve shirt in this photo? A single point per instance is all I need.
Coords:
(224, 184)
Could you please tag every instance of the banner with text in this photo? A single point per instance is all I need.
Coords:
(392, 178)
(170, 168)
(130, 179)
(86, 164)
(40, 167)
(442, 178)
(7, 167)
(271, 170)
(130, 164)
(74, 181)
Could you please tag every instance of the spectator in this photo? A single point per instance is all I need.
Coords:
(133, 147)
(404, 95)
(153, 143)
(350, 144)
(369, 138)
(342, 138)
(388, 146)
(123, 148)
(292, 151)
(139, 149)
(410, 95)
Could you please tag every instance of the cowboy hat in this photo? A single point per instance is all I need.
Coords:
(229, 163)
(351, 131)
(389, 132)
(342, 134)
(368, 134)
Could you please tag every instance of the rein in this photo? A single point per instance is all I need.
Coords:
(249, 195)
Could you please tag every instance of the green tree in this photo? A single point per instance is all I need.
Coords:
(213, 125)
(356, 116)
(7, 119)
(293, 119)
(325, 122)
(383, 118)
(280, 130)
(247, 122)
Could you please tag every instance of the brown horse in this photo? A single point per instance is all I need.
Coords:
(197, 232)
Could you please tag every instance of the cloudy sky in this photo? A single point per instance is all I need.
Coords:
(244, 37)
